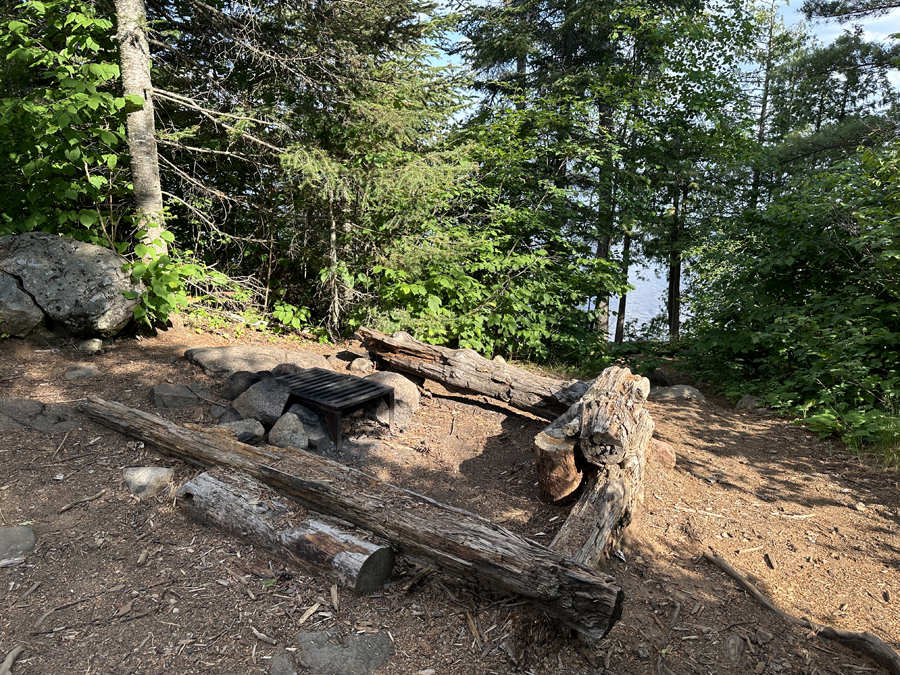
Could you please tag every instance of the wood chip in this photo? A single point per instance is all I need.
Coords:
(770, 561)
(309, 612)
(265, 638)
(334, 596)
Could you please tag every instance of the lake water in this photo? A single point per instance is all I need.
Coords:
(647, 300)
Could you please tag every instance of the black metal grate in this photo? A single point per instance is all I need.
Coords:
(333, 394)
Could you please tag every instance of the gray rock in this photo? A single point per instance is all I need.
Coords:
(406, 397)
(218, 361)
(660, 379)
(264, 401)
(749, 402)
(16, 542)
(281, 665)
(85, 373)
(679, 391)
(246, 431)
(239, 382)
(361, 365)
(223, 414)
(325, 653)
(18, 313)
(175, 396)
(283, 369)
(317, 431)
(289, 432)
(146, 481)
(91, 345)
(18, 413)
(78, 286)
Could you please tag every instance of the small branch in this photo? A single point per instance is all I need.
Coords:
(6, 667)
(864, 643)
(82, 500)
(207, 151)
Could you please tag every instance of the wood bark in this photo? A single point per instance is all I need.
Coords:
(423, 530)
(609, 429)
(466, 369)
(240, 505)
(134, 56)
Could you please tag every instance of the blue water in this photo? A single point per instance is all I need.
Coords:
(647, 300)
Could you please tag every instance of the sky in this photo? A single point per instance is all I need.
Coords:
(875, 29)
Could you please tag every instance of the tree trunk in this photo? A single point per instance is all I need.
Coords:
(620, 315)
(238, 504)
(465, 369)
(134, 54)
(432, 534)
(610, 429)
(673, 303)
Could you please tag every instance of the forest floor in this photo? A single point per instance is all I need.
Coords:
(128, 586)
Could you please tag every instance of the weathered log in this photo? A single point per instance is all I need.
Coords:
(596, 426)
(466, 369)
(610, 429)
(240, 505)
(423, 530)
(606, 505)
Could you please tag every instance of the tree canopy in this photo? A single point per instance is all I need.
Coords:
(322, 166)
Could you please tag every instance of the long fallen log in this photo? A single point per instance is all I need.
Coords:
(466, 369)
(238, 504)
(423, 530)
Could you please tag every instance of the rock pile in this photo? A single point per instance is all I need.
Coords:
(260, 408)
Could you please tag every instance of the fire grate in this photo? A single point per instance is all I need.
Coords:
(333, 394)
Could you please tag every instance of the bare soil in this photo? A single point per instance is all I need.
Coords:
(117, 585)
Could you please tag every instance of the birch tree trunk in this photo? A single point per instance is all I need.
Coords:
(134, 55)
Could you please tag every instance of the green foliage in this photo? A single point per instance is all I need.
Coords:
(61, 124)
(802, 301)
(164, 278)
(291, 317)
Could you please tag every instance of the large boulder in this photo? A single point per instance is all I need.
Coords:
(18, 313)
(78, 287)
(264, 401)
(219, 361)
(406, 398)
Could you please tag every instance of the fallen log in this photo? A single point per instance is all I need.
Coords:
(609, 429)
(423, 530)
(466, 369)
(238, 504)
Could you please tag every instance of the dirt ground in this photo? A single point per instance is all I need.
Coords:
(122, 586)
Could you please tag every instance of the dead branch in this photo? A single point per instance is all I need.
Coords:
(864, 643)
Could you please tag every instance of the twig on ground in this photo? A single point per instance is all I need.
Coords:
(81, 500)
(60, 445)
(6, 667)
(864, 643)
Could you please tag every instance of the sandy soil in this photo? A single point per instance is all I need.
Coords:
(122, 586)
